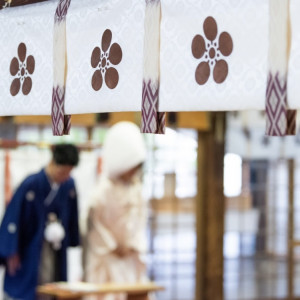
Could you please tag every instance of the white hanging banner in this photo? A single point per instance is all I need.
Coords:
(26, 61)
(105, 56)
(293, 82)
(213, 55)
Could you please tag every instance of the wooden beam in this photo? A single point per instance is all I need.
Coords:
(196, 119)
(32, 120)
(3, 119)
(12, 3)
(116, 117)
(80, 119)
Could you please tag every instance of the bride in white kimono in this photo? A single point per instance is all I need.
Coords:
(116, 232)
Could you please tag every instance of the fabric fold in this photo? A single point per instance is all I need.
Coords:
(61, 123)
(152, 120)
(280, 120)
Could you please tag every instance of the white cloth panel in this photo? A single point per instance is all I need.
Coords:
(119, 25)
(244, 87)
(26, 63)
(293, 82)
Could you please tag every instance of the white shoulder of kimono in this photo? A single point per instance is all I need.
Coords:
(101, 191)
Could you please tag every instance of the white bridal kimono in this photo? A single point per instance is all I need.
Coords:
(117, 217)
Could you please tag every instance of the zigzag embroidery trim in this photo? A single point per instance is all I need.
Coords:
(62, 10)
(152, 120)
(280, 120)
(57, 111)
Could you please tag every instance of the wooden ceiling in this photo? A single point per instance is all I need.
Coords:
(11, 3)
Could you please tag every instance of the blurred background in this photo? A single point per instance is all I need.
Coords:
(223, 199)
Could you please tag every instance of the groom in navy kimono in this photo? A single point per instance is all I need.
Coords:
(43, 198)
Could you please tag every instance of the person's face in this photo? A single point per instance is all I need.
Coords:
(61, 173)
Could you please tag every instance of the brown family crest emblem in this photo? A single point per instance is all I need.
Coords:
(103, 60)
(212, 52)
(21, 68)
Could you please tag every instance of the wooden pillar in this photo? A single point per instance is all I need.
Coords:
(291, 230)
(210, 210)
